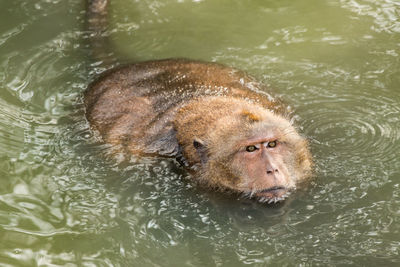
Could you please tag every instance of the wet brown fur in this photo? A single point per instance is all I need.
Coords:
(200, 113)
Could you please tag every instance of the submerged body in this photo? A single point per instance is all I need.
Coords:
(214, 119)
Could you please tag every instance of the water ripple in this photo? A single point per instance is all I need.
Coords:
(384, 12)
(354, 127)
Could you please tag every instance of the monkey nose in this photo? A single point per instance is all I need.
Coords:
(272, 171)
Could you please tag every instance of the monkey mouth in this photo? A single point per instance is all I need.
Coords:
(272, 195)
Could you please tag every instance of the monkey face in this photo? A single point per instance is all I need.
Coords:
(262, 167)
(260, 158)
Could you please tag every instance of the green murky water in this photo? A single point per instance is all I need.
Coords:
(64, 202)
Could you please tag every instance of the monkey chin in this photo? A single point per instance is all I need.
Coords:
(272, 195)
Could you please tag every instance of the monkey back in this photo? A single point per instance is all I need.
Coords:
(132, 107)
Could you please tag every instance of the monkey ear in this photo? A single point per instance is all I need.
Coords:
(197, 143)
(201, 150)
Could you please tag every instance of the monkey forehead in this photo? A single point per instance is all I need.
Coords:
(258, 140)
(261, 137)
(271, 125)
(266, 131)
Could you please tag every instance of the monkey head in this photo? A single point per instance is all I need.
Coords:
(250, 151)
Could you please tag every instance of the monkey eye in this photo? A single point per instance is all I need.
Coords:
(251, 148)
(271, 144)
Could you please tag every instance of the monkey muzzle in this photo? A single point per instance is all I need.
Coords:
(273, 194)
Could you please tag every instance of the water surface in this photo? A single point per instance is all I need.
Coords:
(65, 202)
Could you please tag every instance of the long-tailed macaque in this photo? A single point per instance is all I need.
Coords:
(216, 121)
